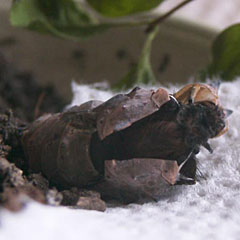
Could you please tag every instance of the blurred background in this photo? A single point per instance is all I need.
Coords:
(216, 14)
(181, 48)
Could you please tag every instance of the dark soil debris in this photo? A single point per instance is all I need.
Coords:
(21, 101)
(21, 92)
(83, 199)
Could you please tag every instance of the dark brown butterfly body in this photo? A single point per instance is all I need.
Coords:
(151, 128)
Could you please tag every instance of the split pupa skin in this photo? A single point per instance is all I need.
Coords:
(72, 148)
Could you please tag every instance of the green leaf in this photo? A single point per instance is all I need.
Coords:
(63, 18)
(118, 8)
(140, 73)
(226, 54)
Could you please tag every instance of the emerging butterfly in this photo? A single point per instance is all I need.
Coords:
(159, 134)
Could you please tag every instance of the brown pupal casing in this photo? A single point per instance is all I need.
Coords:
(58, 145)
(70, 148)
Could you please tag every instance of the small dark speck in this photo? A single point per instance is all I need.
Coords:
(132, 64)
(56, 136)
(150, 183)
(164, 63)
(79, 54)
(7, 41)
(121, 54)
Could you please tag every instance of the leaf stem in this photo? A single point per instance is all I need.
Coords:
(165, 16)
